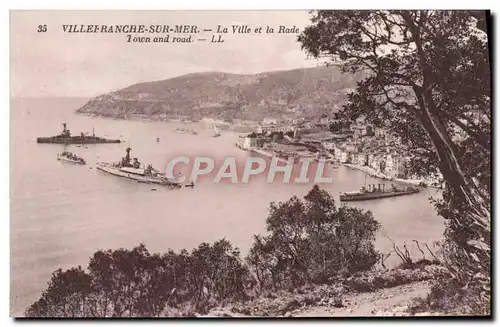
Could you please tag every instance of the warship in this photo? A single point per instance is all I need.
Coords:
(66, 138)
(132, 170)
(373, 192)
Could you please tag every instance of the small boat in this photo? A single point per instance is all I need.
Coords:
(185, 131)
(133, 170)
(373, 192)
(71, 157)
(216, 132)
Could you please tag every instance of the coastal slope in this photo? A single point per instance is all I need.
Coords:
(281, 94)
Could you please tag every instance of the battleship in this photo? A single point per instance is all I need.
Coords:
(373, 192)
(66, 138)
(127, 168)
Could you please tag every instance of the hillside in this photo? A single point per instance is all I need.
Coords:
(294, 93)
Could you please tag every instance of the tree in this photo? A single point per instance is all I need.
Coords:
(313, 241)
(428, 79)
(135, 283)
(66, 295)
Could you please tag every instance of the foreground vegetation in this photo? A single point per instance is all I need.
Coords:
(310, 241)
(314, 252)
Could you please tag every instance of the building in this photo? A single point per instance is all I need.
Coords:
(353, 148)
(362, 130)
(328, 145)
(380, 133)
(269, 121)
(248, 142)
(397, 166)
(268, 129)
(345, 157)
(362, 159)
(358, 131)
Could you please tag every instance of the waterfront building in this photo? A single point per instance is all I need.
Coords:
(396, 165)
(248, 142)
(269, 121)
(352, 148)
(362, 159)
(337, 151)
(269, 129)
(369, 159)
(345, 156)
(328, 144)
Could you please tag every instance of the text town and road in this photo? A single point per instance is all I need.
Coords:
(177, 33)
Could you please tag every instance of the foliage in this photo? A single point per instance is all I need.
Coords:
(450, 297)
(375, 280)
(428, 80)
(311, 241)
(131, 283)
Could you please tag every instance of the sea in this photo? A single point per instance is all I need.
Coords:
(62, 213)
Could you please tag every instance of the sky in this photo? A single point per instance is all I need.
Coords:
(60, 64)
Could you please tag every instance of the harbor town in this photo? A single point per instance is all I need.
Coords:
(357, 145)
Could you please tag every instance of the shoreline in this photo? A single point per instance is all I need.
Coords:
(373, 173)
(232, 127)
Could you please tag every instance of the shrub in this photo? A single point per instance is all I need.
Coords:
(450, 297)
(313, 240)
(135, 283)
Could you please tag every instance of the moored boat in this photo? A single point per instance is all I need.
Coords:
(185, 131)
(216, 132)
(133, 170)
(71, 157)
(373, 192)
(66, 138)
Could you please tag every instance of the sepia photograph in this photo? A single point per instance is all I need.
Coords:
(250, 164)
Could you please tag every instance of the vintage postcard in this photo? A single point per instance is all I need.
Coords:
(331, 163)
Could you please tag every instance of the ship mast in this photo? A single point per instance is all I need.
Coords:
(65, 131)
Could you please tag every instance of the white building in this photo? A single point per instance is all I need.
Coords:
(345, 157)
(247, 142)
(269, 121)
(328, 144)
(267, 129)
(380, 133)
